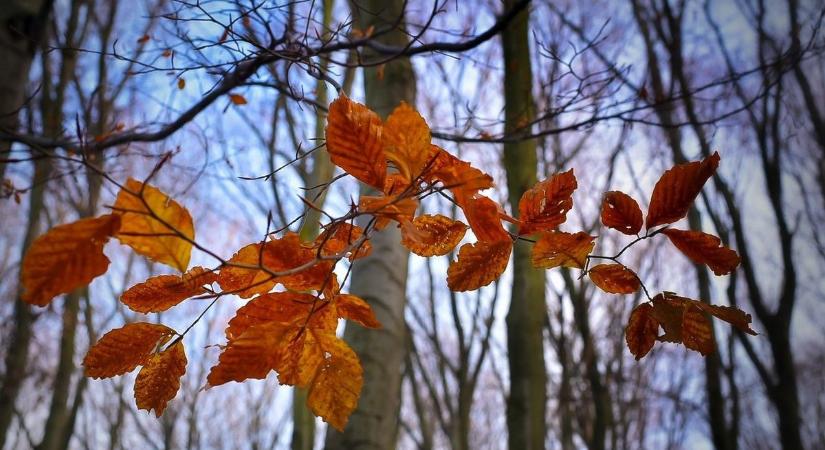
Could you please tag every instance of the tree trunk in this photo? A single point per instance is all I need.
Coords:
(381, 278)
(526, 404)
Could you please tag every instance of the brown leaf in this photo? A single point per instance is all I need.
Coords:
(459, 176)
(558, 248)
(432, 235)
(65, 258)
(697, 331)
(354, 141)
(154, 225)
(165, 291)
(253, 354)
(121, 350)
(729, 314)
(641, 330)
(675, 191)
(614, 278)
(237, 99)
(621, 212)
(181, 83)
(159, 379)
(478, 265)
(544, 206)
(703, 248)
(279, 307)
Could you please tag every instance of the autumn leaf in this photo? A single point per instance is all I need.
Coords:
(246, 282)
(703, 248)
(482, 213)
(641, 331)
(432, 235)
(340, 237)
(386, 208)
(143, 39)
(544, 206)
(280, 307)
(614, 278)
(65, 258)
(675, 191)
(458, 175)
(237, 99)
(334, 392)
(165, 291)
(354, 141)
(697, 331)
(154, 225)
(621, 212)
(302, 356)
(478, 265)
(557, 248)
(406, 140)
(252, 355)
(159, 379)
(181, 83)
(351, 307)
(121, 350)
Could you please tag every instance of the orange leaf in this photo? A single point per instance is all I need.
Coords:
(154, 225)
(121, 350)
(432, 235)
(65, 258)
(544, 206)
(165, 291)
(159, 379)
(614, 279)
(357, 310)
(677, 188)
(641, 330)
(253, 354)
(354, 143)
(729, 314)
(242, 281)
(386, 208)
(483, 215)
(558, 248)
(697, 331)
(279, 307)
(143, 39)
(181, 83)
(703, 248)
(237, 99)
(340, 237)
(406, 139)
(621, 212)
(457, 175)
(333, 394)
(478, 265)
(302, 356)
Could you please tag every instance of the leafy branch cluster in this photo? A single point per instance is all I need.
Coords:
(293, 330)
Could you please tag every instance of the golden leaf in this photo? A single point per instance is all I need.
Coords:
(154, 225)
(356, 309)
(65, 258)
(406, 139)
(334, 392)
(354, 141)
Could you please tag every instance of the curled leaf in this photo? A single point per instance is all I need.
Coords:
(340, 237)
(65, 258)
(641, 330)
(165, 291)
(614, 278)
(159, 379)
(356, 309)
(354, 141)
(386, 208)
(458, 175)
(703, 248)
(121, 350)
(544, 206)
(483, 216)
(478, 265)
(558, 248)
(154, 225)
(406, 139)
(432, 235)
(621, 212)
(675, 191)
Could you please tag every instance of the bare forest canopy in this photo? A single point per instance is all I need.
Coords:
(408, 224)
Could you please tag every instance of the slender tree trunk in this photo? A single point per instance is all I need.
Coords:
(526, 404)
(381, 278)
